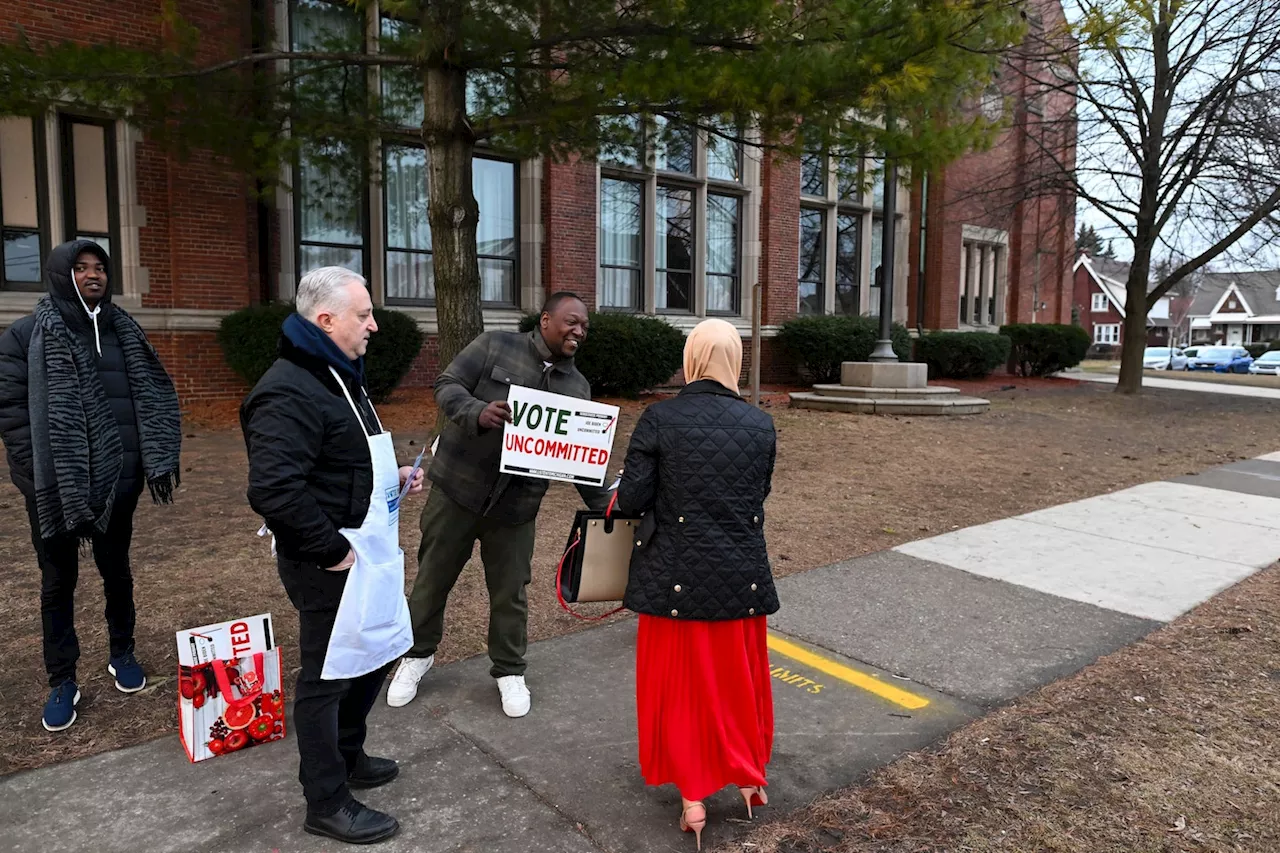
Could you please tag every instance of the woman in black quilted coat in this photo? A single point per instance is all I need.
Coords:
(700, 466)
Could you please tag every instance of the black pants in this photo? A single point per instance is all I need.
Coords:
(59, 559)
(328, 716)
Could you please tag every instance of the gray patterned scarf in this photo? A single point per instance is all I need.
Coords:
(78, 455)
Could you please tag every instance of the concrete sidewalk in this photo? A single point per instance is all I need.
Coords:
(871, 658)
(1149, 381)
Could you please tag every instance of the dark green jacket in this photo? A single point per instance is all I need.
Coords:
(465, 466)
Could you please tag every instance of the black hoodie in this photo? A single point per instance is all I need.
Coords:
(96, 335)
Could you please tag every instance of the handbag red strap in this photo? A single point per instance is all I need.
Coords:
(577, 540)
(224, 683)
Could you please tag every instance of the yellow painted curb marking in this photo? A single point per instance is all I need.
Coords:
(845, 674)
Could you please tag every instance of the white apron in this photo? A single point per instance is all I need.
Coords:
(372, 627)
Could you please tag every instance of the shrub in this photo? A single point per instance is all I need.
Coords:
(250, 340)
(962, 355)
(625, 354)
(1256, 350)
(391, 352)
(822, 343)
(1042, 349)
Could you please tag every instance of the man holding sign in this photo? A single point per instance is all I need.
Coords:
(483, 492)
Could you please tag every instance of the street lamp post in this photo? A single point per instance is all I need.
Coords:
(884, 347)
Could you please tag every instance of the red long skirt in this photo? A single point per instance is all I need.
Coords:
(704, 703)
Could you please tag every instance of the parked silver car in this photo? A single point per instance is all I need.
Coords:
(1268, 363)
(1163, 358)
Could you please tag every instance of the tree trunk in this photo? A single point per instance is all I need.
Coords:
(452, 212)
(1134, 340)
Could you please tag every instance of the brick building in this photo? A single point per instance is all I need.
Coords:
(685, 231)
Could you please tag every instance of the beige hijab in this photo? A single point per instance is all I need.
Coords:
(713, 350)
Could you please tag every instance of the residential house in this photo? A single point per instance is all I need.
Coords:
(1236, 308)
(1100, 293)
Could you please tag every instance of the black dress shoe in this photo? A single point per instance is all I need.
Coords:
(354, 823)
(371, 772)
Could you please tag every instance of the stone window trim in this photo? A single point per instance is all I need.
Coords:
(127, 216)
(984, 259)
(747, 190)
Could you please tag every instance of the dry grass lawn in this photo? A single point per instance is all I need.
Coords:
(845, 485)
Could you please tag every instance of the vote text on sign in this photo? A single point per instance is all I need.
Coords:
(553, 437)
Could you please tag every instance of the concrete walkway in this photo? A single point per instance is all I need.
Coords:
(871, 658)
(1149, 381)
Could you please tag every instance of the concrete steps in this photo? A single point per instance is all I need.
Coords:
(887, 389)
(941, 404)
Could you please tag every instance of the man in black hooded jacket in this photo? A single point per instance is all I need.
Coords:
(88, 416)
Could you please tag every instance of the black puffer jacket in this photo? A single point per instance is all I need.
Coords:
(15, 418)
(310, 473)
(702, 463)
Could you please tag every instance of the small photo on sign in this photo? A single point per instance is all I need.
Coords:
(553, 437)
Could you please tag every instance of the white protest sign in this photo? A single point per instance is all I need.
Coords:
(552, 437)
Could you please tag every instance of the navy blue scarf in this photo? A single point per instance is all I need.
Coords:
(311, 339)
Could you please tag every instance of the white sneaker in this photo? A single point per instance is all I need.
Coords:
(404, 685)
(515, 696)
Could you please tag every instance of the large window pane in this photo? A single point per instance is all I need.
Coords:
(401, 87)
(848, 183)
(330, 197)
(875, 170)
(408, 263)
(623, 141)
(498, 281)
(328, 26)
(20, 204)
(21, 256)
(494, 185)
(332, 256)
(877, 252)
(329, 186)
(410, 276)
(812, 273)
(724, 155)
(723, 213)
(405, 189)
(813, 174)
(673, 283)
(89, 177)
(18, 200)
(848, 263)
(621, 220)
(674, 147)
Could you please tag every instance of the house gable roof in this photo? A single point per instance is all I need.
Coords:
(1257, 292)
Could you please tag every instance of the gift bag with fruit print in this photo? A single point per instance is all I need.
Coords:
(230, 691)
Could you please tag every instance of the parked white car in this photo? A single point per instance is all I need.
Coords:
(1268, 363)
(1158, 358)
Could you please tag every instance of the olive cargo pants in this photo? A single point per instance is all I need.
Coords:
(449, 533)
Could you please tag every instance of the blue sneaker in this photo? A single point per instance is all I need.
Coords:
(60, 710)
(129, 675)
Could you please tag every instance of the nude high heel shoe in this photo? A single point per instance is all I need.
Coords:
(693, 818)
(753, 797)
